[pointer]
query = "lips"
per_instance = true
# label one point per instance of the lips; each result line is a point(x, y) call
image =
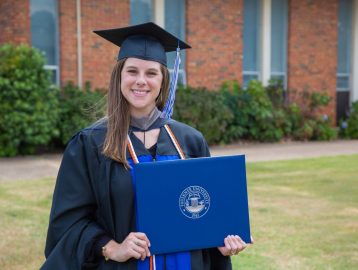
point(140, 93)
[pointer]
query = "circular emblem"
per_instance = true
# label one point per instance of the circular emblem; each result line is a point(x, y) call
point(194, 202)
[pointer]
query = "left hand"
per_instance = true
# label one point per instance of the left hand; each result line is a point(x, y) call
point(233, 245)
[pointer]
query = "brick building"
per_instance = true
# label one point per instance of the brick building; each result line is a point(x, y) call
point(308, 44)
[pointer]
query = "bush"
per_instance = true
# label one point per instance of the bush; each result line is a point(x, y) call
point(236, 99)
point(254, 117)
point(321, 124)
point(204, 110)
point(349, 127)
point(79, 108)
point(28, 105)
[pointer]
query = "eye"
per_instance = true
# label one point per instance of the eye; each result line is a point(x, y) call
point(152, 73)
point(132, 71)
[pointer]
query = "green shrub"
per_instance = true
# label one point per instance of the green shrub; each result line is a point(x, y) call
point(204, 110)
point(79, 108)
point(254, 116)
point(350, 127)
point(323, 130)
point(263, 126)
point(277, 93)
point(236, 99)
point(307, 122)
point(28, 105)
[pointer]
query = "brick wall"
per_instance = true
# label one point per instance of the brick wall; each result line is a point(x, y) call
point(68, 41)
point(214, 30)
point(98, 55)
point(15, 22)
point(312, 47)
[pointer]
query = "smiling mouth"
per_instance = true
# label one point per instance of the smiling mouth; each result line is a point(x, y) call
point(140, 92)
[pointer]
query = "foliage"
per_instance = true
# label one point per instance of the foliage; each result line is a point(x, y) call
point(304, 122)
point(204, 110)
point(349, 127)
point(79, 108)
point(313, 125)
point(254, 115)
point(28, 105)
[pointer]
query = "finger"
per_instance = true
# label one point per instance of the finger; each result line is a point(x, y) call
point(229, 245)
point(240, 242)
point(143, 236)
point(134, 254)
point(234, 243)
point(143, 244)
point(141, 251)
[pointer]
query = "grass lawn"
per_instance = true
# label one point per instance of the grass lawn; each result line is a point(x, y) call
point(304, 215)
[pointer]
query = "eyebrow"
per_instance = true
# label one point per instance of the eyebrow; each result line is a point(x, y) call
point(149, 69)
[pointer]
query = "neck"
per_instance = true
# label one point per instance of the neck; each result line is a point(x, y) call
point(144, 121)
point(142, 114)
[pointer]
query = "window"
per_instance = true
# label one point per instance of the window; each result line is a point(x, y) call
point(44, 33)
point(344, 44)
point(173, 14)
point(175, 24)
point(279, 17)
point(141, 11)
point(252, 41)
point(343, 85)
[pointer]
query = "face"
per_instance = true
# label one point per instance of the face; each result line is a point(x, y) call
point(140, 85)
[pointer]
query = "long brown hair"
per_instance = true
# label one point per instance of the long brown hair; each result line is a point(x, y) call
point(118, 114)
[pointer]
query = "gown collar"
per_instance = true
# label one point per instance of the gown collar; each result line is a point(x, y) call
point(148, 122)
point(145, 123)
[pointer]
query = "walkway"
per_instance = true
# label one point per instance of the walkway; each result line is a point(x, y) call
point(47, 165)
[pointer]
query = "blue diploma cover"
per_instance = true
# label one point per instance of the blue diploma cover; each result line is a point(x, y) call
point(192, 204)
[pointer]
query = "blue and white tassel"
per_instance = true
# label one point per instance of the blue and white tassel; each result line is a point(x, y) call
point(168, 108)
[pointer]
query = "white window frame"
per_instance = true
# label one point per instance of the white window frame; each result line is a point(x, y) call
point(264, 74)
point(159, 18)
point(354, 53)
point(266, 42)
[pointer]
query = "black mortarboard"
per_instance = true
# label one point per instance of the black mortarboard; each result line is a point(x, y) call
point(146, 41)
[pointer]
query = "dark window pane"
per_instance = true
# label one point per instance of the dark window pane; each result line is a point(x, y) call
point(141, 11)
point(252, 31)
point(44, 28)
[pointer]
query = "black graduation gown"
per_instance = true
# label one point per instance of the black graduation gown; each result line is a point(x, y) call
point(83, 206)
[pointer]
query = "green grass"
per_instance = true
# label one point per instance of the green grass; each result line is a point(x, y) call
point(304, 215)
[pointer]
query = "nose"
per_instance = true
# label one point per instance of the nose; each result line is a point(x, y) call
point(141, 80)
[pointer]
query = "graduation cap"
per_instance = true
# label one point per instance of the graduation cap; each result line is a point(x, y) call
point(148, 41)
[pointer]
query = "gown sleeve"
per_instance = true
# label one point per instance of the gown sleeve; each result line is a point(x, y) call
point(72, 226)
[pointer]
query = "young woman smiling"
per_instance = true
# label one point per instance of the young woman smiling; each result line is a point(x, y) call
point(92, 222)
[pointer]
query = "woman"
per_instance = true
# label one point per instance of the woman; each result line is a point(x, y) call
point(92, 221)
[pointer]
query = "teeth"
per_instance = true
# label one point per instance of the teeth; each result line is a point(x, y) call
point(140, 91)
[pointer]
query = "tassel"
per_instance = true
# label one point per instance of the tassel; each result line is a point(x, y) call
point(168, 108)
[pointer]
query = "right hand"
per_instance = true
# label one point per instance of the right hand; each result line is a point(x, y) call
point(135, 245)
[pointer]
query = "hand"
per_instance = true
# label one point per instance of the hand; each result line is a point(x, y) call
point(136, 245)
point(233, 245)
